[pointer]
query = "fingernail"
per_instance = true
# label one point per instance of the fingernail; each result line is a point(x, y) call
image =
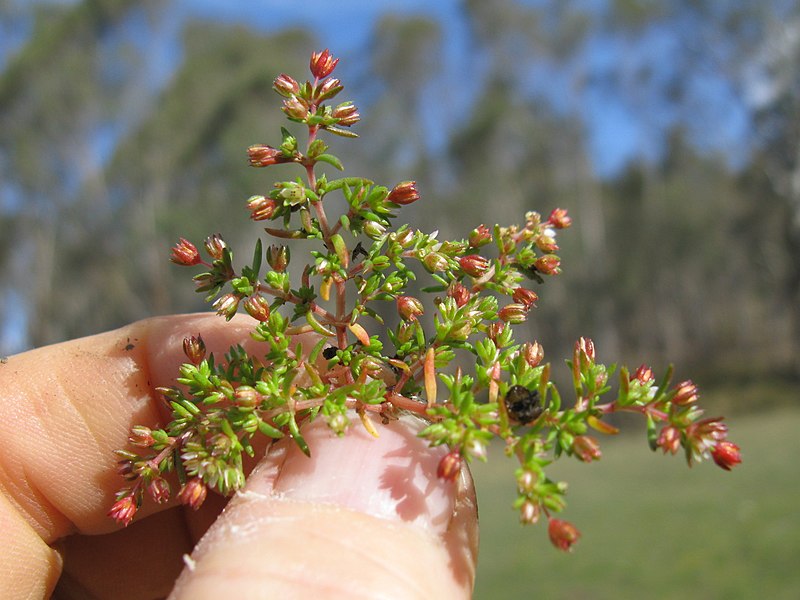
point(392, 476)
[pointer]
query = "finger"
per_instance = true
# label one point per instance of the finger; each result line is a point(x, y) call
point(361, 518)
point(65, 408)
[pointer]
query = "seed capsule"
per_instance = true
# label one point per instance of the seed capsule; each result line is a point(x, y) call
point(522, 404)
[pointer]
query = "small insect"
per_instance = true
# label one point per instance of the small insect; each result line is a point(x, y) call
point(329, 352)
point(130, 346)
point(359, 250)
point(522, 404)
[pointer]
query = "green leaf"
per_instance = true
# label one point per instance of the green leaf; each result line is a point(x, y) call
point(331, 160)
point(294, 430)
point(269, 430)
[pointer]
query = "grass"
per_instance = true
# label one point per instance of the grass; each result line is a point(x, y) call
point(652, 528)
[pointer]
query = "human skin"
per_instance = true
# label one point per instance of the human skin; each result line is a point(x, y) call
point(364, 517)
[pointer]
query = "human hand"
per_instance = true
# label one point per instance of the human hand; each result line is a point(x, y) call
point(363, 517)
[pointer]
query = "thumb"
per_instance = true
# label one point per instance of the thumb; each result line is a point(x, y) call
point(364, 517)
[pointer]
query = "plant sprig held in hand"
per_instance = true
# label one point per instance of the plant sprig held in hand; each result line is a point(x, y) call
point(478, 289)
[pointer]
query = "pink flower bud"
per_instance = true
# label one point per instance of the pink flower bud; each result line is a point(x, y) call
point(529, 513)
point(347, 113)
point(261, 155)
point(194, 348)
point(525, 297)
point(586, 448)
point(584, 350)
point(685, 393)
point(559, 218)
point(123, 510)
point(295, 109)
point(548, 264)
point(563, 534)
point(480, 236)
point(474, 264)
point(257, 307)
point(261, 208)
point(404, 193)
point(450, 466)
point(141, 436)
point(215, 246)
point(546, 243)
point(286, 85)
point(322, 64)
point(669, 440)
point(459, 293)
point(513, 313)
point(227, 305)
point(726, 455)
point(185, 253)
point(533, 353)
point(328, 89)
point(409, 308)
point(193, 493)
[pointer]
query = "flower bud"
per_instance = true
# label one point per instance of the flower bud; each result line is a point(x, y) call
point(726, 455)
point(563, 534)
point(159, 490)
point(257, 307)
point(404, 193)
point(409, 308)
point(584, 350)
point(246, 396)
point(450, 466)
point(328, 89)
point(435, 262)
point(559, 218)
point(480, 236)
point(685, 393)
point(195, 349)
point(141, 436)
point(278, 257)
point(338, 423)
point(546, 243)
point(227, 305)
point(261, 208)
point(548, 264)
point(513, 313)
point(185, 253)
point(286, 85)
point(526, 481)
point(193, 493)
point(525, 297)
point(322, 64)
point(295, 109)
point(374, 230)
point(586, 448)
point(347, 114)
point(261, 155)
point(459, 293)
point(529, 513)
point(215, 246)
point(643, 375)
point(495, 330)
point(533, 353)
point(474, 265)
point(476, 449)
point(123, 510)
point(669, 440)
point(404, 238)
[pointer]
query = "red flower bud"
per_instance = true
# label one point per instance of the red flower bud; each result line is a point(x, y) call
point(215, 246)
point(286, 85)
point(533, 353)
point(404, 193)
point(548, 264)
point(193, 493)
point(409, 308)
point(261, 155)
point(474, 264)
point(322, 64)
point(450, 466)
point(159, 490)
point(194, 348)
point(685, 393)
point(257, 307)
point(586, 448)
point(185, 253)
point(246, 396)
point(584, 350)
point(295, 109)
point(513, 313)
point(328, 89)
point(525, 297)
point(261, 208)
point(278, 258)
point(123, 510)
point(643, 375)
point(480, 236)
point(459, 293)
point(726, 455)
point(563, 534)
point(559, 218)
